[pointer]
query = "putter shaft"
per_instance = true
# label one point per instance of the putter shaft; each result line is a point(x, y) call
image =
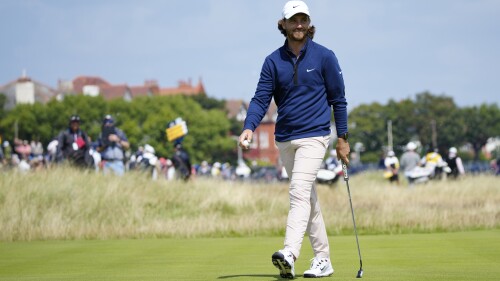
point(346, 179)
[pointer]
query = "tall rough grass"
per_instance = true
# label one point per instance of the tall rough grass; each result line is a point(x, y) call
point(64, 203)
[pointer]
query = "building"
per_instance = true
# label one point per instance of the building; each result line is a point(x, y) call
point(28, 91)
point(262, 147)
point(94, 86)
point(185, 88)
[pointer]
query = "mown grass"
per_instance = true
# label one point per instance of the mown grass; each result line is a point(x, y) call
point(457, 256)
point(70, 204)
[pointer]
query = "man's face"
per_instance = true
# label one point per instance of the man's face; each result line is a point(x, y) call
point(296, 27)
point(75, 125)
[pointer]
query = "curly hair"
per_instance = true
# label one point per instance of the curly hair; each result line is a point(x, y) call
point(310, 31)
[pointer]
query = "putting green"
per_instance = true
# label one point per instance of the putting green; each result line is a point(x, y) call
point(471, 255)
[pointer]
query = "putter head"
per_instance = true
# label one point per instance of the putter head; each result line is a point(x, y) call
point(360, 274)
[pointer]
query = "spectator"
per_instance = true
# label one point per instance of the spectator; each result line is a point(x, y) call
point(181, 162)
point(434, 162)
point(391, 164)
point(36, 148)
point(409, 160)
point(149, 161)
point(22, 164)
point(23, 149)
point(455, 163)
point(170, 169)
point(216, 170)
point(112, 143)
point(7, 152)
point(204, 169)
point(73, 144)
point(227, 171)
point(331, 162)
point(52, 150)
point(136, 158)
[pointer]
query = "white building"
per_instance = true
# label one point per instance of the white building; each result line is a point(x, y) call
point(27, 91)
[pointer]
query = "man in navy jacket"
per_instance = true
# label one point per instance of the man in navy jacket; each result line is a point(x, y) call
point(73, 144)
point(306, 82)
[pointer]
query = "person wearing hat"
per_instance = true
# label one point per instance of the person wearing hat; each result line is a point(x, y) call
point(455, 163)
point(409, 160)
point(306, 82)
point(112, 144)
point(73, 144)
point(391, 164)
point(182, 163)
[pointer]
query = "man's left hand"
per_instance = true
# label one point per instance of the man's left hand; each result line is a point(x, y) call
point(343, 150)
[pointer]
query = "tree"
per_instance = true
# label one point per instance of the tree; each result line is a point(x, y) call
point(144, 120)
point(441, 112)
point(3, 100)
point(411, 120)
point(404, 129)
point(208, 102)
point(367, 125)
point(480, 123)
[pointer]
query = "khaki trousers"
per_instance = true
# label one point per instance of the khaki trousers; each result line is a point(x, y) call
point(302, 159)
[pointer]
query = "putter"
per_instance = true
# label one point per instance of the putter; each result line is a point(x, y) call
point(346, 179)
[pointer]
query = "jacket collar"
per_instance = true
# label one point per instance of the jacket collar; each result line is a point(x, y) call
point(302, 51)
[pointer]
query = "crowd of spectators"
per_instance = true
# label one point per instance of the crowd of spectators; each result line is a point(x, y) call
point(110, 153)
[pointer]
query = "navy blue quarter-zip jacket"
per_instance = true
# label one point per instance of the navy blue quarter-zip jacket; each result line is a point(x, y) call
point(305, 89)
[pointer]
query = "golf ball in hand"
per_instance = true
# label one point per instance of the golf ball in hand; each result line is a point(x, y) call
point(246, 143)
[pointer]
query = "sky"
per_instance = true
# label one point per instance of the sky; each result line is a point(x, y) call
point(387, 49)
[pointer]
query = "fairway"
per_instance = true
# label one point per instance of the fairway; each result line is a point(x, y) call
point(472, 255)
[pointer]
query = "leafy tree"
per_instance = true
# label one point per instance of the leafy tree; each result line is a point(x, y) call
point(442, 111)
point(208, 102)
point(480, 123)
point(411, 120)
point(145, 120)
point(367, 125)
point(3, 101)
point(404, 129)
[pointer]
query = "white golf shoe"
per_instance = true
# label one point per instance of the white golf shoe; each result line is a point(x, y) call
point(283, 260)
point(320, 267)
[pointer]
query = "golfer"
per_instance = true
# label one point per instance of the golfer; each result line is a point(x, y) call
point(306, 82)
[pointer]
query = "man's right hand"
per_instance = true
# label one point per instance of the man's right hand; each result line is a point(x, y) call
point(246, 135)
point(113, 138)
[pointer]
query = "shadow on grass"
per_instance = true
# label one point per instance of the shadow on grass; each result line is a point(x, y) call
point(276, 276)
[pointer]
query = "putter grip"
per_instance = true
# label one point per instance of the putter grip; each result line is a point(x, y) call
point(344, 171)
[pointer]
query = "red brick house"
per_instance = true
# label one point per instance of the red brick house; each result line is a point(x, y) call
point(262, 147)
point(149, 89)
point(94, 86)
point(185, 88)
point(116, 92)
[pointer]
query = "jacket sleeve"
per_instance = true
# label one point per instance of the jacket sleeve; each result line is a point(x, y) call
point(262, 98)
point(335, 89)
